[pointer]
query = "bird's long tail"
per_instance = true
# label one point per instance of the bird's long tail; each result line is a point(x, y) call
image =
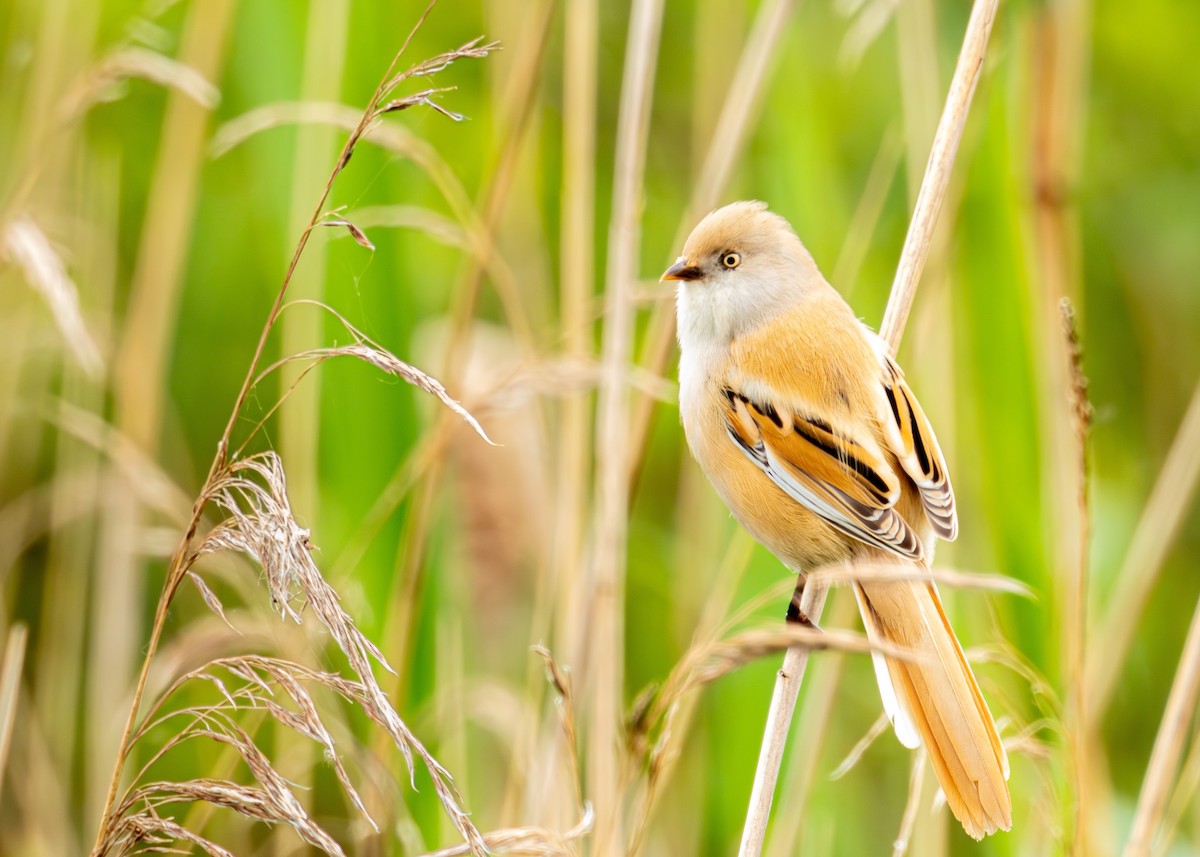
point(934, 699)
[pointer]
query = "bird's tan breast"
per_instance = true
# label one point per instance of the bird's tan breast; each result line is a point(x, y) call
point(822, 365)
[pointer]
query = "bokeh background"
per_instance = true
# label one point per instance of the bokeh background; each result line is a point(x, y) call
point(128, 166)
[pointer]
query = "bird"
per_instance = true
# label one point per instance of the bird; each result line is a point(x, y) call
point(807, 429)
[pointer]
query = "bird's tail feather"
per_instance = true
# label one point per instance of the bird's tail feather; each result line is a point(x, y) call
point(935, 695)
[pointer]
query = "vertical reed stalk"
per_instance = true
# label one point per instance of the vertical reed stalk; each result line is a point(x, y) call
point(10, 688)
point(139, 387)
point(908, 273)
point(558, 609)
point(300, 421)
point(1168, 744)
point(606, 650)
point(916, 786)
point(1057, 100)
point(816, 715)
point(779, 720)
point(1164, 513)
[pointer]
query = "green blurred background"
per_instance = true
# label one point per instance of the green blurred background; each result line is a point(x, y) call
point(1078, 175)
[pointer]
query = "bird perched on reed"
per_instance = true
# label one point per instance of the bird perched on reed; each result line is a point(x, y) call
point(807, 429)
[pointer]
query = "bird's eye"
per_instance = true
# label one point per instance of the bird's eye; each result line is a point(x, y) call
point(731, 260)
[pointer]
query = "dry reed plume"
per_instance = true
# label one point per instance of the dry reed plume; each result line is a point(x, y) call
point(250, 494)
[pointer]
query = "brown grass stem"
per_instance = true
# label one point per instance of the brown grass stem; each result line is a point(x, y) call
point(912, 261)
point(1181, 799)
point(577, 275)
point(1168, 744)
point(605, 651)
point(299, 424)
point(741, 106)
point(1077, 630)
point(518, 111)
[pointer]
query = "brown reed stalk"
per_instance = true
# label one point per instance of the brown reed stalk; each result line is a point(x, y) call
point(1181, 799)
point(908, 273)
point(1057, 100)
point(321, 80)
point(816, 715)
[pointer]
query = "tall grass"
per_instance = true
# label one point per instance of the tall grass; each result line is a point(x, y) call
point(167, 158)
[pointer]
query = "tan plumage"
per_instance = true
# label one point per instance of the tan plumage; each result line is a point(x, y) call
point(808, 431)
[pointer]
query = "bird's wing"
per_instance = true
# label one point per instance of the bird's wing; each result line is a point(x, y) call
point(843, 477)
point(910, 438)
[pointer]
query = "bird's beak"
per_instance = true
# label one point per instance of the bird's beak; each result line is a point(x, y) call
point(683, 269)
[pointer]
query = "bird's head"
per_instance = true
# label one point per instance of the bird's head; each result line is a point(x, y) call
point(741, 266)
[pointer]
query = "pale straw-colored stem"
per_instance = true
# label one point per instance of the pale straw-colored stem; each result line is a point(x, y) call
point(605, 655)
point(1164, 758)
point(1165, 511)
point(938, 170)
point(779, 720)
point(10, 688)
point(908, 274)
point(916, 785)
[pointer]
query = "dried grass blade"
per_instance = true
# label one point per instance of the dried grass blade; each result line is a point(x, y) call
point(148, 65)
point(356, 233)
point(10, 683)
point(737, 651)
point(537, 841)
point(916, 785)
point(1168, 744)
point(832, 575)
point(210, 597)
point(1165, 511)
point(937, 172)
point(28, 247)
point(261, 524)
point(860, 747)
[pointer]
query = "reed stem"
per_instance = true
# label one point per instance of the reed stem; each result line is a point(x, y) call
point(912, 261)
